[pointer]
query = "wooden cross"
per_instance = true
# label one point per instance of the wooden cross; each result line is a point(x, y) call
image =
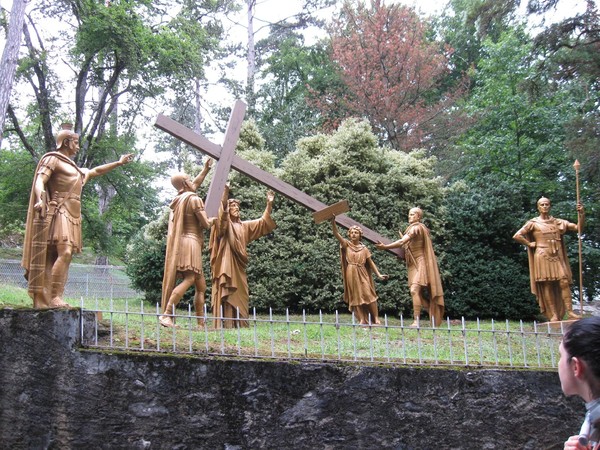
point(227, 159)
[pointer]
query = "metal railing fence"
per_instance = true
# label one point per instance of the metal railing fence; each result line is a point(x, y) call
point(84, 280)
point(335, 337)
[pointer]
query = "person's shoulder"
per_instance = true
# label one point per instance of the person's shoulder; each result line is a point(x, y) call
point(418, 227)
point(50, 158)
point(194, 199)
point(563, 222)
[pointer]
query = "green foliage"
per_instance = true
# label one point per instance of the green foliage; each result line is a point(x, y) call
point(145, 259)
point(295, 73)
point(485, 272)
point(457, 28)
point(297, 266)
point(519, 140)
point(567, 51)
point(118, 204)
point(520, 123)
point(115, 57)
point(14, 191)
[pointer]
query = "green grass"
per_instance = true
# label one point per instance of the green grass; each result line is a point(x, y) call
point(133, 325)
point(14, 296)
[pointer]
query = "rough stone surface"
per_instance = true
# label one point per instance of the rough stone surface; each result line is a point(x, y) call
point(54, 394)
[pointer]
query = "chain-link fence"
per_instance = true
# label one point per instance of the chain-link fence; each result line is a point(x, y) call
point(87, 281)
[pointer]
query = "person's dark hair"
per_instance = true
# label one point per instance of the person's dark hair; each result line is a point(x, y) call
point(582, 340)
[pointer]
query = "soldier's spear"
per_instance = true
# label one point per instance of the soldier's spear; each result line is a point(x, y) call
point(576, 165)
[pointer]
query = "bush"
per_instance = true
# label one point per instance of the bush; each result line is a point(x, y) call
point(145, 259)
point(486, 272)
point(298, 265)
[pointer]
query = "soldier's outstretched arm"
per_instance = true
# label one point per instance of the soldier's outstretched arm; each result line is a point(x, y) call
point(105, 168)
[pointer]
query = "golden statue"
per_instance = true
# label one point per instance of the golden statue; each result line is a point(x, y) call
point(53, 228)
point(423, 271)
point(185, 242)
point(549, 270)
point(229, 239)
point(357, 273)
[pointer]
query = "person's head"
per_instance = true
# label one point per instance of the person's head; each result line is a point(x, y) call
point(415, 215)
point(181, 182)
point(67, 140)
point(579, 364)
point(355, 233)
point(544, 205)
point(234, 208)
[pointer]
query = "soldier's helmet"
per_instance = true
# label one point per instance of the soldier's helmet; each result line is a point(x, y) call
point(66, 132)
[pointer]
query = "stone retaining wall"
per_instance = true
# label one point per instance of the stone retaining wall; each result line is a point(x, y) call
point(54, 394)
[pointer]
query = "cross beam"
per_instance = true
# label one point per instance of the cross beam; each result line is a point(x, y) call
point(227, 159)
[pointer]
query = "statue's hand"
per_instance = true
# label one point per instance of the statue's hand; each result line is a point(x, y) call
point(385, 277)
point(126, 158)
point(531, 245)
point(380, 245)
point(270, 196)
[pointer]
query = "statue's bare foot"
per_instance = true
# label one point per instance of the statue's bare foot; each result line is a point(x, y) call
point(58, 302)
point(415, 324)
point(166, 321)
point(42, 305)
point(574, 316)
point(554, 319)
point(41, 301)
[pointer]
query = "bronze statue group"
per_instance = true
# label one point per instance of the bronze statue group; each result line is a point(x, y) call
point(53, 235)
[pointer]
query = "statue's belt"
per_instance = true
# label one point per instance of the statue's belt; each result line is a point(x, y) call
point(65, 196)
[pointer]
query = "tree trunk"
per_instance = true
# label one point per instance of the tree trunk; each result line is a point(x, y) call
point(105, 195)
point(251, 58)
point(10, 55)
point(198, 115)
